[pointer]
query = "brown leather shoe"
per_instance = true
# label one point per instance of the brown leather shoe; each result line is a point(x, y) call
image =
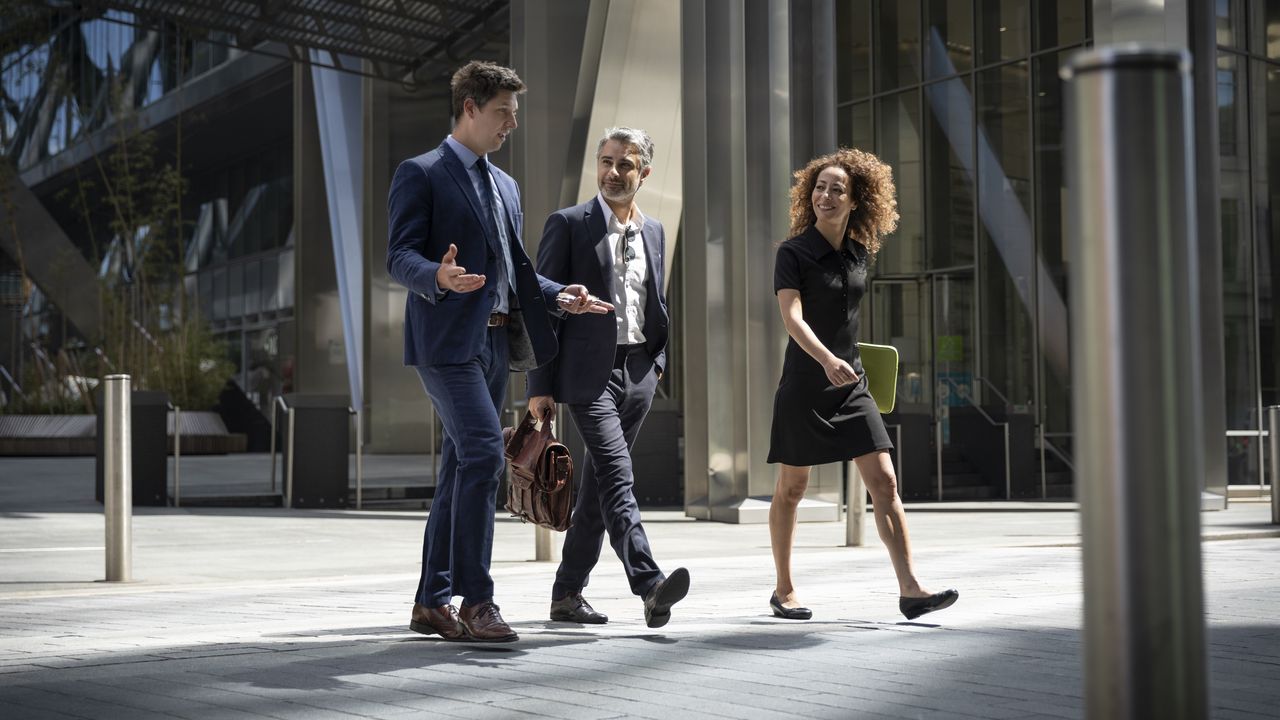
point(442, 621)
point(485, 624)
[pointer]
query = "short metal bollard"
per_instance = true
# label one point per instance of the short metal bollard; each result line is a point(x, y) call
point(118, 474)
point(1273, 448)
point(855, 498)
point(545, 545)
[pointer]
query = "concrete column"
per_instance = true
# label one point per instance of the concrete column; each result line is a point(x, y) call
point(738, 121)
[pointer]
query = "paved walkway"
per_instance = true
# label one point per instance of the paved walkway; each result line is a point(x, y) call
point(267, 613)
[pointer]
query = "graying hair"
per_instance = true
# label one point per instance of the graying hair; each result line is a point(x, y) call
point(634, 137)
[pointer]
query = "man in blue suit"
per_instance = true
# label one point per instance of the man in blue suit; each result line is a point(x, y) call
point(450, 213)
point(607, 371)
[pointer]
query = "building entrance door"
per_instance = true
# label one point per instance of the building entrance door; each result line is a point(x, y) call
point(930, 318)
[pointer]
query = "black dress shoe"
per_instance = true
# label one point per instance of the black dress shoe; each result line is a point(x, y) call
point(915, 607)
point(657, 604)
point(796, 613)
point(575, 608)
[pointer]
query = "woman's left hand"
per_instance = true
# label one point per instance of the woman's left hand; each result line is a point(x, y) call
point(839, 372)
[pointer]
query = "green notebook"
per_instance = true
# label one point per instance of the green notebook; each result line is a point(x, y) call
point(880, 363)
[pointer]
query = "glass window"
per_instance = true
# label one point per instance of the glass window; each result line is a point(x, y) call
point(1232, 130)
point(854, 126)
point(1230, 22)
point(1003, 30)
point(1268, 195)
point(1058, 23)
point(1007, 247)
point(853, 49)
point(897, 32)
point(1237, 265)
point(898, 144)
point(1264, 29)
point(948, 40)
point(1050, 218)
point(948, 172)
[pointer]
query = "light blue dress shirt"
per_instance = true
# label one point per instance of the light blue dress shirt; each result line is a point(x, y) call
point(484, 185)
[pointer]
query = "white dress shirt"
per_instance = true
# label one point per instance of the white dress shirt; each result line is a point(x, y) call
point(630, 267)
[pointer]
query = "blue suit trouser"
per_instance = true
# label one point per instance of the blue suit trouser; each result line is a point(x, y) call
point(458, 543)
point(606, 497)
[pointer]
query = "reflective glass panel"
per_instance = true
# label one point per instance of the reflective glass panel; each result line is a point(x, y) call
point(948, 39)
point(1058, 23)
point(1006, 258)
point(1267, 102)
point(897, 34)
point(1050, 218)
point(898, 144)
point(854, 128)
point(1264, 29)
point(1230, 22)
point(949, 172)
point(853, 49)
point(1237, 268)
point(1003, 30)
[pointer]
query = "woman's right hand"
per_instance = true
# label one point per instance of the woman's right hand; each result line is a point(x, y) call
point(839, 372)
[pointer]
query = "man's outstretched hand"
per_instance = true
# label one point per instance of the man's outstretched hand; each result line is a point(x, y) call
point(575, 300)
point(453, 277)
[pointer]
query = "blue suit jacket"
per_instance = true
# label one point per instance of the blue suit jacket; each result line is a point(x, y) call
point(432, 203)
point(574, 249)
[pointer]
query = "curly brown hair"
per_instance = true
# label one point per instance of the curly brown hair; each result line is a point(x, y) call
point(871, 185)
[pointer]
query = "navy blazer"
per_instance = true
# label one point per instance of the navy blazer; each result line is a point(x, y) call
point(574, 249)
point(432, 203)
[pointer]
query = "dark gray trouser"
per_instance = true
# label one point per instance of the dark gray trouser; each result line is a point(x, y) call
point(606, 500)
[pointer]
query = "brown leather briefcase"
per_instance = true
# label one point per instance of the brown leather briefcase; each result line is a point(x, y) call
point(541, 489)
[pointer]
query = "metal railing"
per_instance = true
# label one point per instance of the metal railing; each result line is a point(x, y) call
point(279, 405)
point(964, 394)
point(1047, 444)
point(177, 454)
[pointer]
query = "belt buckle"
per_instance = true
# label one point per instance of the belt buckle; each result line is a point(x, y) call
point(497, 319)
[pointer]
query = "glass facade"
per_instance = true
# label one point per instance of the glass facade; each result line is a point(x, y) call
point(1248, 101)
point(67, 85)
point(963, 101)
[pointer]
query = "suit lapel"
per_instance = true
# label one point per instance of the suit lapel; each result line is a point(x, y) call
point(460, 175)
point(599, 231)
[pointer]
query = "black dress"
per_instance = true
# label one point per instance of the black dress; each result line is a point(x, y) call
point(813, 421)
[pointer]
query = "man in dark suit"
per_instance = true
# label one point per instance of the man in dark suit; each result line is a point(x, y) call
point(607, 370)
point(450, 210)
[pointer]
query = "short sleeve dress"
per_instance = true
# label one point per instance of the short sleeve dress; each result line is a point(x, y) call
point(814, 422)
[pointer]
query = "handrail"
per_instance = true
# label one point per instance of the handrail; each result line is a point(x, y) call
point(177, 454)
point(992, 387)
point(1008, 477)
point(359, 458)
point(4, 372)
point(1061, 455)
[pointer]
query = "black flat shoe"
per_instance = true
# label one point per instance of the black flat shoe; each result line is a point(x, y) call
point(799, 613)
point(915, 607)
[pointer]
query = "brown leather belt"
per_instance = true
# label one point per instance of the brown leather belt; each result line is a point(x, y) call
point(499, 319)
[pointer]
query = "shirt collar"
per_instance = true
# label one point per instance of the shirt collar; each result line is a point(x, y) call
point(611, 221)
point(819, 246)
point(463, 152)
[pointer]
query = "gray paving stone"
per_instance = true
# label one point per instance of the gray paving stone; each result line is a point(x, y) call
point(281, 614)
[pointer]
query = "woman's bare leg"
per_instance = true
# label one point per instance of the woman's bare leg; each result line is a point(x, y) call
point(877, 473)
point(790, 488)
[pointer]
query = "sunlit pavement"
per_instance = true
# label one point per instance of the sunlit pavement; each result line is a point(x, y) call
point(239, 613)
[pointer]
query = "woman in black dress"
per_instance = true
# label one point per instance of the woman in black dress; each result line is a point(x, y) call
point(841, 206)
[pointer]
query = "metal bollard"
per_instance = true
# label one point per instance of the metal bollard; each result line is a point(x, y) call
point(1137, 389)
point(855, 498)
point(1273, 448)
point(117, 490)
point(177, 456)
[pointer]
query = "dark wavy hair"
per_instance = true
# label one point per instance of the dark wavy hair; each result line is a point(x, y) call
point(480, 81)
point(871, 186)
